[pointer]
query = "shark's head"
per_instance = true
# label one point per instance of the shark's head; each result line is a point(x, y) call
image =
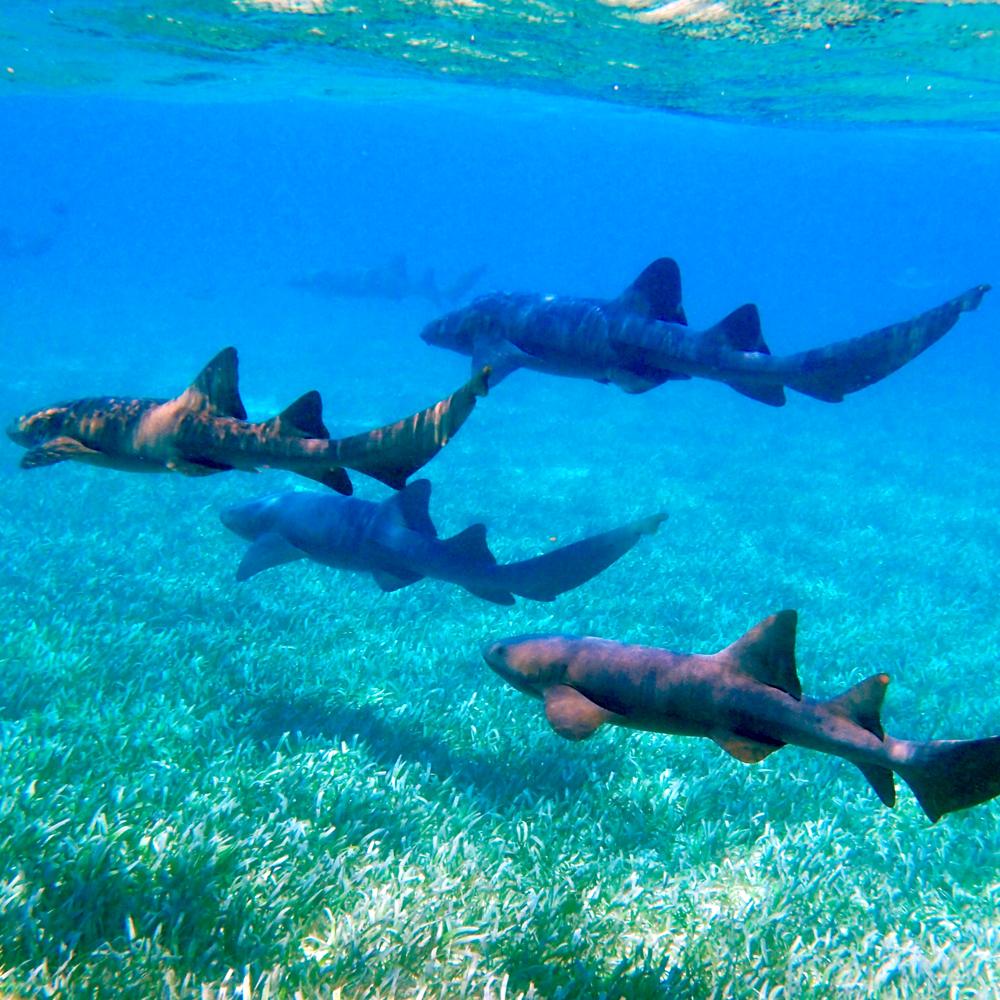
point(531, 663)
point(459, 330)
point(252, 519)
point(36, 428)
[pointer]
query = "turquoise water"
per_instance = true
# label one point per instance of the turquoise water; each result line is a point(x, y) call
point(300, 785)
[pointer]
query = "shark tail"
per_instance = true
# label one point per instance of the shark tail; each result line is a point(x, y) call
point(832, 372)
point(948, 775)
point(945, 775)
point(391, 454)
point(545, 577)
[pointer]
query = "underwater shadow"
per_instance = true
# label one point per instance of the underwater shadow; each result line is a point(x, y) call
point(642, 975)
point(273, 719)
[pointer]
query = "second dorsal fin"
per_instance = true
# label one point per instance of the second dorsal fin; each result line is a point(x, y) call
point(740, 331)
point(767, 653)
point(471, 543)
point(863, 704)
point(302, 418)
point(217, 386)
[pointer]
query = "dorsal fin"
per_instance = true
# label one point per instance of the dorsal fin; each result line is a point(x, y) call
point(410, 507)
point(767, 653)
point(863, 704)
point(740, 331)
point(471, 543)
point(656, 293)
point(217, 386)
point(303, 417)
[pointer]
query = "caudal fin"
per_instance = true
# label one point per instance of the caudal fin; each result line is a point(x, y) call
point(393, 453)
point(947, 775)
point(830, 373)
point(545, 577)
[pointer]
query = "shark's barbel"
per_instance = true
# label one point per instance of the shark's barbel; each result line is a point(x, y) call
point(748, 699)
point(204, 430)
point(397, 543)
point(641, 339)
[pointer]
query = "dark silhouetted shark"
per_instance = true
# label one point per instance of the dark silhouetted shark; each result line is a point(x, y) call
point(748, 699)
point(397, 543)
point(641, 340)
point(390, 281)
point(204, 430)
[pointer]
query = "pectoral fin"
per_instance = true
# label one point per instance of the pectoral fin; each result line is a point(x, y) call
point(197, 466)
point(389, 582)
point(500, 355)
point(60, 449)
point(571, 714)
point(267, 550)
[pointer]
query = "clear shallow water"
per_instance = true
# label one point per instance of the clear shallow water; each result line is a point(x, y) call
point(865, 62)
point(304, 784)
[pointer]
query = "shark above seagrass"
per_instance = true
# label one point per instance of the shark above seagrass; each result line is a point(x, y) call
point(640, 340)
point(397, 543)
point(747, 698)
point(204, 430)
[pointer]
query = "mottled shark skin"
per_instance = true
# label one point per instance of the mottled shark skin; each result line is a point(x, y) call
point(748, 699)
point(397, 543)
point(641, 340)
point(204, 430)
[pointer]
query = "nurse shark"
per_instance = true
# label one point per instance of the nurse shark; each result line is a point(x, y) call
point(204, 430)
point(397, 543)
point(641, 340)
point(748, 699)
point(391, 281)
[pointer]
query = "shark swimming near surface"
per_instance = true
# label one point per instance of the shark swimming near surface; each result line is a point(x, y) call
point(397, 543)
point(641, 340)
point(204, 430)
point(748, 699)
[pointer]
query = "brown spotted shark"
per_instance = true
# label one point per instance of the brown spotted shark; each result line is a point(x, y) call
point(204, 430)
point(641, 340)
point(748, 699)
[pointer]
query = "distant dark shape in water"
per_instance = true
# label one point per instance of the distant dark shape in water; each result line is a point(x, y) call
point(204, 430)
point(641, 340)
point(187, 79)
point(390, 281)
point(747, 698)
point(16, 244)
point(397, 543)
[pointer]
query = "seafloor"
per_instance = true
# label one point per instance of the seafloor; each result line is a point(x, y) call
point(300, 786)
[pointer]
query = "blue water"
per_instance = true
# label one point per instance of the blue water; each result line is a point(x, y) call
point(176, 228)
point(181, 224)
